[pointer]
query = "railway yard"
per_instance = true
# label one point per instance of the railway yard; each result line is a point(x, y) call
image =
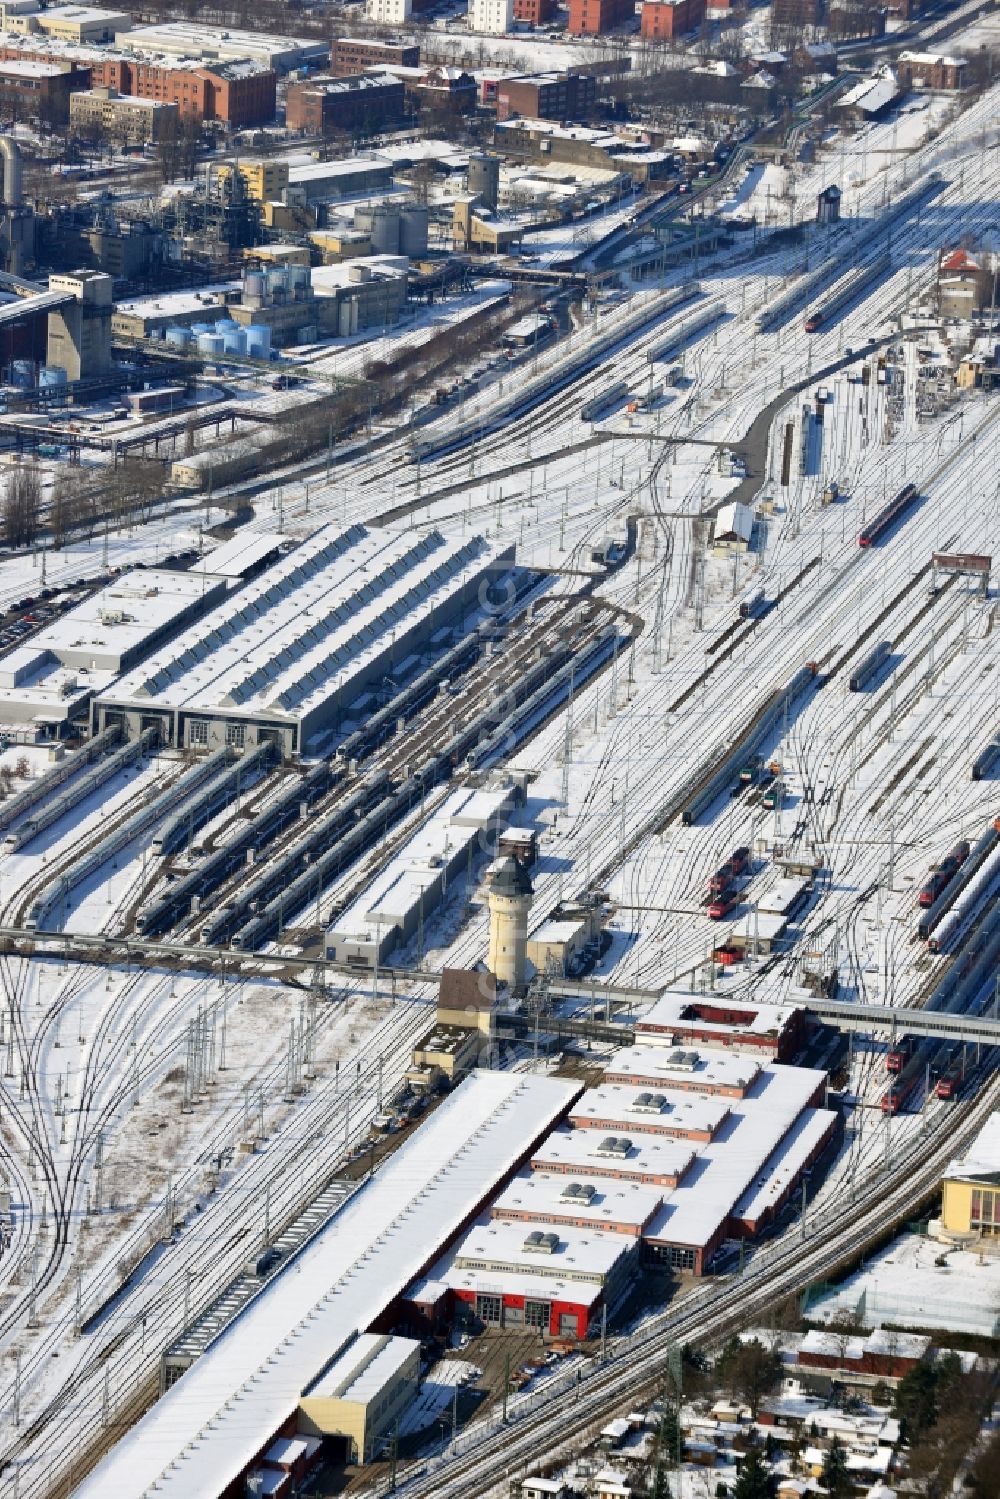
point(696, 601)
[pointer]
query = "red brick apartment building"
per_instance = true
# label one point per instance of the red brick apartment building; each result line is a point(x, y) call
point(536, 12)
point(594, 17)
point(662, 20)
point(235, 93)
point(350, 55)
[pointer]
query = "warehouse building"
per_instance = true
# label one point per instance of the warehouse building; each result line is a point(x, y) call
point(227, 44)
point(407, 891)
point(771, 1127)
point(547, 96)
point(257, 1380)
point(83, 24)
point(743, 1177)
point(326, 181)
point(285, 657)
point(350, 55)
point(50, 680)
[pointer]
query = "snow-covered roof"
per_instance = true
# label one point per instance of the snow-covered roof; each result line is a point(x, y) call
point(932, 59)
point(981, 1162)
point(544, 1252)
point(705, 1071)
point(872, 94)
point(396, 889)
point(646, 1158)
point(307, 625)
point(363, 1369)
point(110, 626)
point(679, 1012)
point(959, 260)
point(248, 1383)
point(622, 1206)
point(748, 1162)
point(234, 558)
point(734, 520)
point(645, 1110)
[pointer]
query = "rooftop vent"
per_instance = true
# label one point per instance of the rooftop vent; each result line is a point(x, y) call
point(578, 1192)
point(649, 1103)
point(683, 1061)
point(615, 1145)
point(541, 1243)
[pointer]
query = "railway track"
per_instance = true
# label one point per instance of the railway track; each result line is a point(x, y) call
point(484, 1459)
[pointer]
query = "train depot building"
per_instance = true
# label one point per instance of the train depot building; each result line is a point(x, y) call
point(296, 1362)
point(48, 683)
point(285, 657)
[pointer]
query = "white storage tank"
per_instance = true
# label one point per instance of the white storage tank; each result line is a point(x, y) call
point(211, 343)
point(258, 341)
point(234, 340)
point(178, 337)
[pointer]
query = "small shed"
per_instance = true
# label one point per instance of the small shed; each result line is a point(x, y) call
point(733, 529)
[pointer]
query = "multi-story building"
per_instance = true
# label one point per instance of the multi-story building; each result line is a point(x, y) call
point(535, 12)
point(447, 91)
point(389, 12)
point(39, 90)
point(351, 55)
point(547, 96)
point(970, 1204)
point(264, 180)
point(366, 101)
point(931, 70)
point(594, 17)
point(662, 20)
point(120, 117)
point(235, 93)
point(494, 17)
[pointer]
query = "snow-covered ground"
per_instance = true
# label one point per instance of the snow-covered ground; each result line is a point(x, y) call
point(922, 1283)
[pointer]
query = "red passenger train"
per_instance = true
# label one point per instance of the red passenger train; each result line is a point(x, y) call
point(886, 516)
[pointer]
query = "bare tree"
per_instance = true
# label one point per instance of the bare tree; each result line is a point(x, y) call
point(21, 507)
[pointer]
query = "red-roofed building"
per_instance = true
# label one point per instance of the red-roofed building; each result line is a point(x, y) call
point(959, 281)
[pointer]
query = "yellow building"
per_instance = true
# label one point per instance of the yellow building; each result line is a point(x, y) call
point(341, 244)
point(362, 1394)
point(263, 180)
point(278, 254)
point(447, 1051)
point(971, 1192)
